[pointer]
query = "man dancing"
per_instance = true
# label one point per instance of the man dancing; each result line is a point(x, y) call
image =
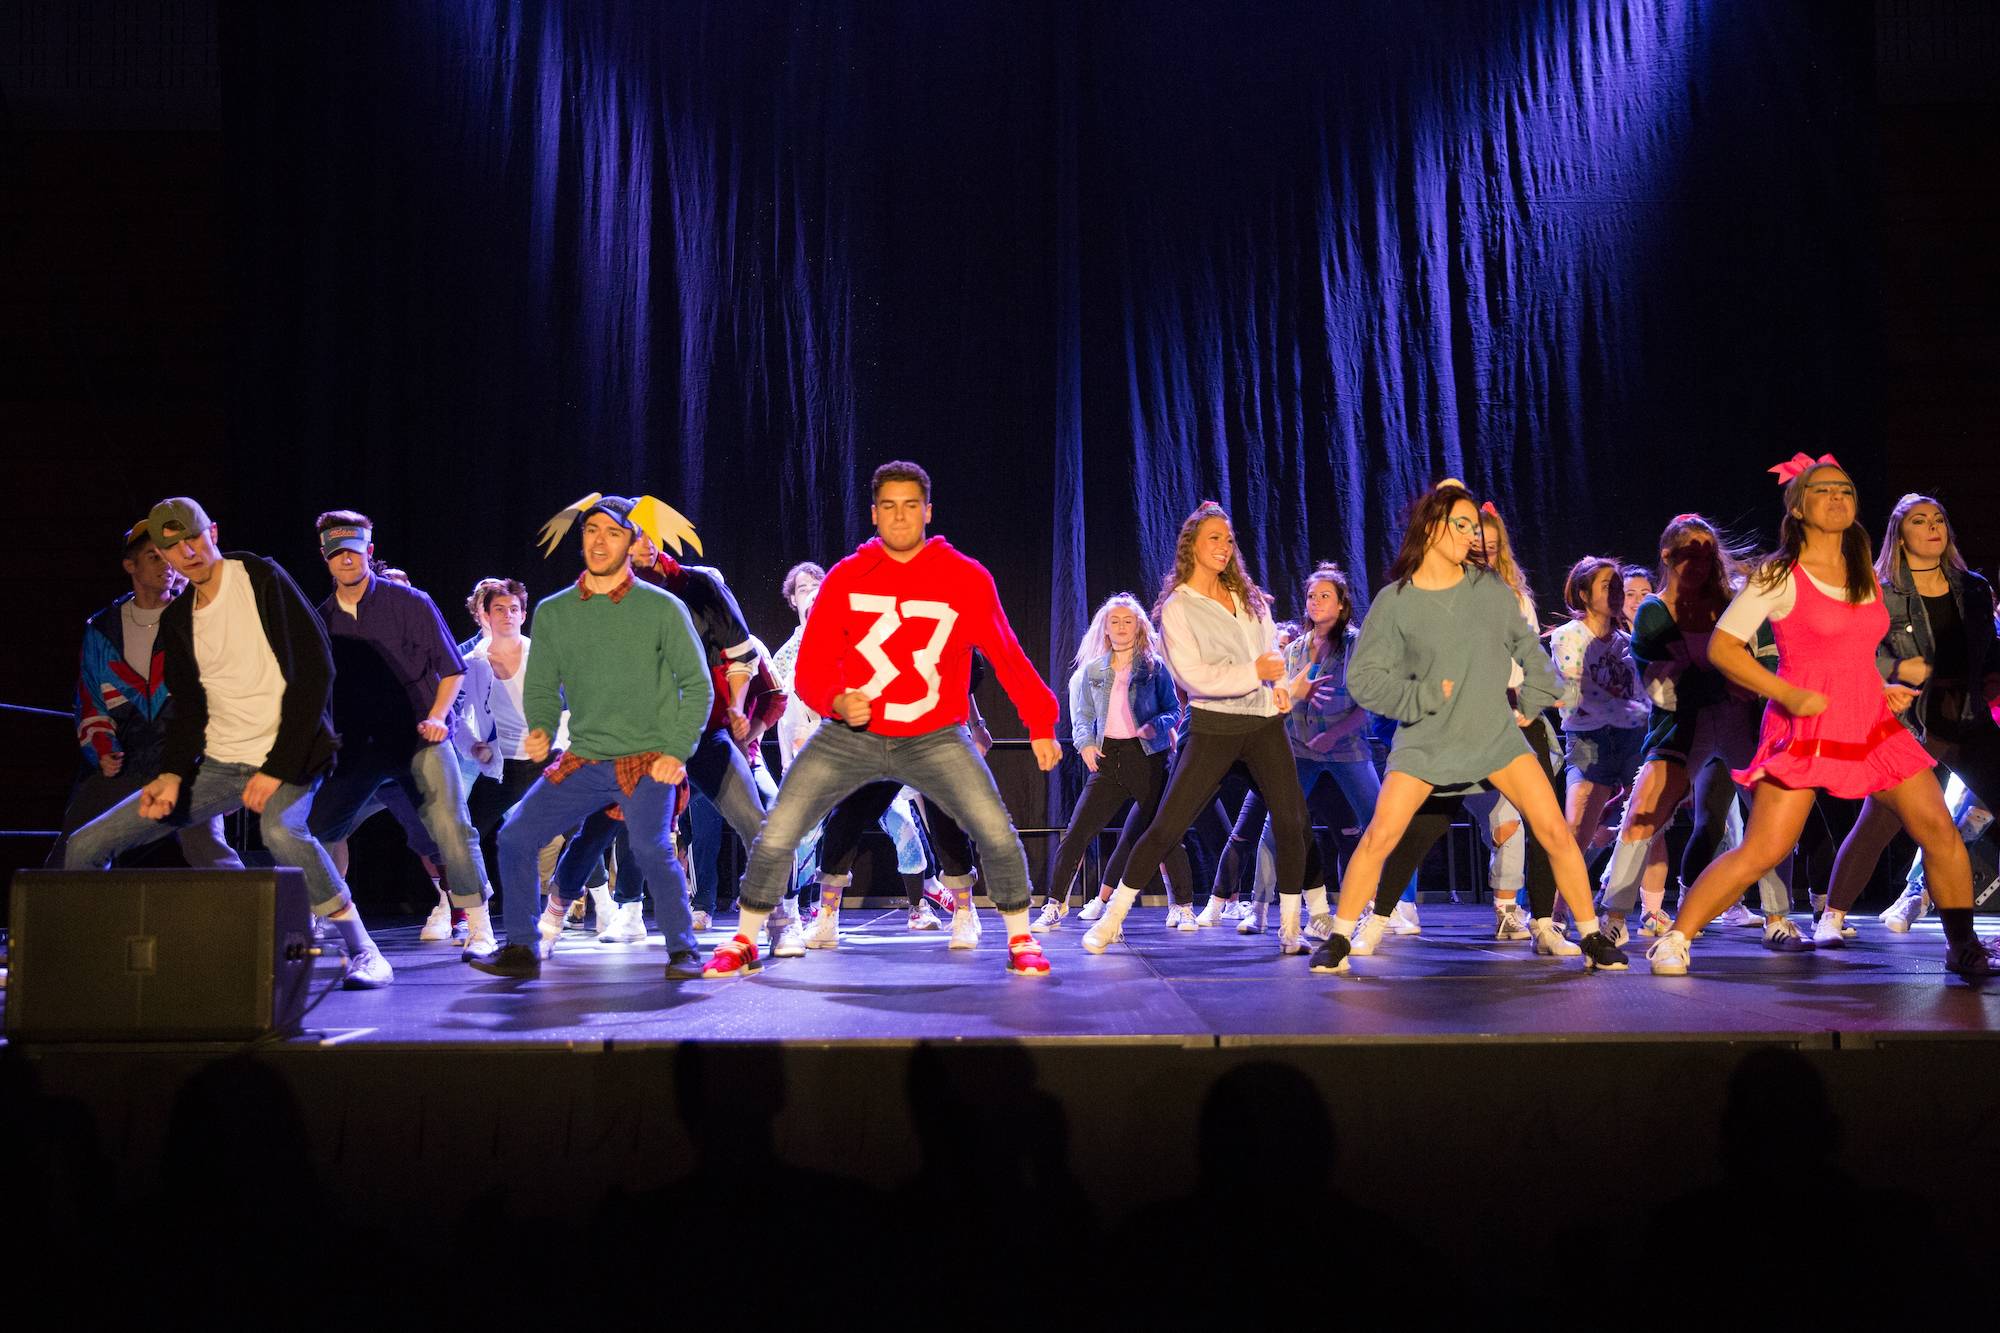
point(886, 658)
point(251, 675)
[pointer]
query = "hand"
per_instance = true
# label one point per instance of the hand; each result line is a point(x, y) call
point(433, 730)
point(258, 790)
point(536, 743)
point(1325, 690)
point(668, 770)
point(1089, 755)
point(1447, 689)
point(1520, 721)
point(1299, 687)
point(982, 739)
point(1898, 697)
point(1805, 703)
point(158, 797)
point(1283, 699)
point(1047, 753)
point(1912, 671)
point(1147, 732)
point(482, 752)
point(110, 764)
point(739, 725)
point(854, 708)
point(1270, 667)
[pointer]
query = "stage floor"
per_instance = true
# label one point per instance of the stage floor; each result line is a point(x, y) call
point(1214, 987)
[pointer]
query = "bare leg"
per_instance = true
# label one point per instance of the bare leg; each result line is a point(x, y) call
point(1860, 852)
point(1777, 817)
point(1526, 785)
point(1394, 808)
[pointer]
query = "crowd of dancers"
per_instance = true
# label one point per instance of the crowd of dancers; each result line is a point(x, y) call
point(538, 763)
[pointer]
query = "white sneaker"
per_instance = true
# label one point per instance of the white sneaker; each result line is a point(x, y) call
point(1103, 933)
point(825, 932)
point(1669, 955)
point(1550, 940)
point(1239, 907)
point(1403, 921)
point(1091, 910)
point(1831, 930)
point(1509, 921)
point(1215, 911)
point(1053, 912)
point(604, 905)
point(1617, 931)
point(924, 917)
point(1291, 938)
point(1182, 918)
point(437, 926)
point(1656, 923)
point(1906, 911)
point(551, 924)
point(1739, 915)
point(965, 929)
point(1782, 936)
point(367, 970)
point(1368, 934)
point(703, 921)
point(1252, 921)
point(627, 925)
point(788, 937)
point(479, 938)
point(1319, 928)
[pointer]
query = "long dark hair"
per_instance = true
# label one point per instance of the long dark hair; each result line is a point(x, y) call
point(1233, 577)
point(1431, 509)
point(1576, 588)
point(1336, 633)
point(1730, 558)
point(1857, 553)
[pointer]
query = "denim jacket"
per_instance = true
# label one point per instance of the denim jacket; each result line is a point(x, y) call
point(1151, 695)
point(1910, 636)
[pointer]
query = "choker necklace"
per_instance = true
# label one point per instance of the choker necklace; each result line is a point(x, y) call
point(1928, 569)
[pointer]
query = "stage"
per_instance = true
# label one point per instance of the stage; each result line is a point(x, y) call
point(1182, 1090)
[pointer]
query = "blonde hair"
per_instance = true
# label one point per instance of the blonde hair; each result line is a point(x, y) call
point(1892, 560)
point(1096, 643)
point(1233, 576)
point(1500, 559)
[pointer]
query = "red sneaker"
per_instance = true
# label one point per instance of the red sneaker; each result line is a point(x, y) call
point(1025, 957)
point(735, 958)
point(944, 898)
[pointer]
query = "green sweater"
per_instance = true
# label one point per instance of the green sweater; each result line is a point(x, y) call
point(632, 673)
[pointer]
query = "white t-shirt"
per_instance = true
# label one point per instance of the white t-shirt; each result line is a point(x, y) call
point(142, 630)
point(239, 672)
point(1757, 604)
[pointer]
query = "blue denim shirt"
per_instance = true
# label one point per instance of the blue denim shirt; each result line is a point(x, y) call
point(1910, 636)
point(1151, 696)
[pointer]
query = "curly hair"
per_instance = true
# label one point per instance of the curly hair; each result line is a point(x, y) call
point(1233, 577)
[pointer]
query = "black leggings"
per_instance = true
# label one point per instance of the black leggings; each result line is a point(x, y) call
point(1218, 741)
point(840, 838)
point(1125, 773)
point(1714, 789)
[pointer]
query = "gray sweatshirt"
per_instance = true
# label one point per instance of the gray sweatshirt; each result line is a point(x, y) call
point(1472, 635)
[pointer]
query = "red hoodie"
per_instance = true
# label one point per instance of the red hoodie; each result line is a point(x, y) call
point(902, 633)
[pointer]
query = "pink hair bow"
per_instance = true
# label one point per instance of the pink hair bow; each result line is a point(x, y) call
point(1799, 464)
point(1678, 519)
point(1486, 507)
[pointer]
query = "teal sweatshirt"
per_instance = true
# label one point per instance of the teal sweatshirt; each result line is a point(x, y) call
point(632, 673)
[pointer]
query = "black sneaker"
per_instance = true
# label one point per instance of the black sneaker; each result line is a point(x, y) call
point(1600, 952)
point(1331, 956)
point(509, 960)
point(1971, 957)
point(684, 965)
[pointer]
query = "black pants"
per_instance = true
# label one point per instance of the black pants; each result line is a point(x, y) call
point(840, 837)
point(1217, 742)
point(490, 800)
point(1125, 774)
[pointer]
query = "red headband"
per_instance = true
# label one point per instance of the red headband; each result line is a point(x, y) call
point(1800, 464)
point(1679, 519)
point(1486, 507)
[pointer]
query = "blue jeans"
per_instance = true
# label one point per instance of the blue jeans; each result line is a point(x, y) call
point(434, 782)
point(217, 789)
point(837, 760)
point(550, 808)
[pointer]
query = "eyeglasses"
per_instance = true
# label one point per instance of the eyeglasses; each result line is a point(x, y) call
point(1467, 526)
point(1831, 488)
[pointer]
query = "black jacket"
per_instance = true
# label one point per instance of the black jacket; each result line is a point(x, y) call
point(1910, 636)
point(306, 740)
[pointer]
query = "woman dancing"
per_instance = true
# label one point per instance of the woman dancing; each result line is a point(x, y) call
point(1940, 643)
point(1829, 724)
point(1436, 653)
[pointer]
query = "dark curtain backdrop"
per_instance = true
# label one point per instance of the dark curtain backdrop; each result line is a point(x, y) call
point(1089, 263)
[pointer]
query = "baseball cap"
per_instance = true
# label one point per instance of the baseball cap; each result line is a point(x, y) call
point(176, 520)
point(617, 506)
point(344, 537)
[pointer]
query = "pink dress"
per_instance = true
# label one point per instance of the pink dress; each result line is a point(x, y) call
point(1856, 746)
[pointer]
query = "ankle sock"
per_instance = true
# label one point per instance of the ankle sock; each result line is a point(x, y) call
point(1316, 901)
point(1344, 925)
point(1586, 928)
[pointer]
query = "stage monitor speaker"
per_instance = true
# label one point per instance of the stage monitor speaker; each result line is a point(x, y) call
point(141, 955)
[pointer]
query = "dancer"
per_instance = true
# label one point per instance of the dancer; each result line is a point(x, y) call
point(396, 676)
point(1603, 702)
point(886, 658)
point(1216, 625)
point(1434, 654)
point(1122, 709)
point(251, 674)
point(1638, 581)
point(1940, 643)
point(624, 657)
point(1829, 724)
point(123, 704)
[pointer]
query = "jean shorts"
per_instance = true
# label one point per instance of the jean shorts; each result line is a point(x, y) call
point(1608, 756)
